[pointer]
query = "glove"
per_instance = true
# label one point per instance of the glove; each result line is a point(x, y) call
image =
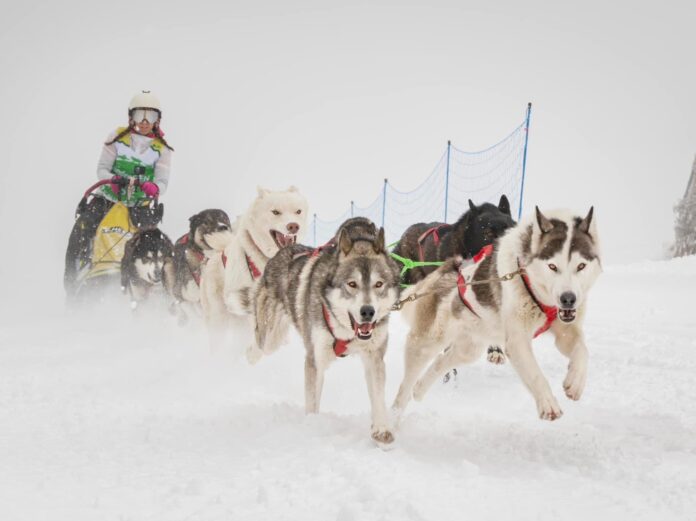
point(117, 182)
point(150, 189)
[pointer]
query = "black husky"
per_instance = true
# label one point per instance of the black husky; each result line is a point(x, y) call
point(476, 228)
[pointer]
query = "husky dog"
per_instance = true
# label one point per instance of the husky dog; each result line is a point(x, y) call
point(147, 260)
point(552, 262)
point(210, 232)
point(339, 300)
point(479, 226)
point(275, 219)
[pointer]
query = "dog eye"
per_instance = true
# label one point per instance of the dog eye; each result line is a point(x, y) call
point(379, 284)
point(581, 266)
point(353, 284)
point(298, 212)
point(553, 267)
point(275, 212)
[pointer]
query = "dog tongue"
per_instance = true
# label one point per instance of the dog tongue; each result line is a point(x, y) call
point(365, 327)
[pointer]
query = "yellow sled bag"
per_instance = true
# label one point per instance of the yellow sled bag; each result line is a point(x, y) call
point(110, 241)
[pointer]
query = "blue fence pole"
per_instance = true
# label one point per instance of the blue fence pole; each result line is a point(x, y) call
point(384, 200)
point(351, 209)
point(524, 157)
point(315, 229)
point(447, 169)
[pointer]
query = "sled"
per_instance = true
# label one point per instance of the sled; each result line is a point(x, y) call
point(113, 232)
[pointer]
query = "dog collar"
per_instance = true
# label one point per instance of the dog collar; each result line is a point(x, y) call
point(461, 283)
point(551, 312)
point(340, 346)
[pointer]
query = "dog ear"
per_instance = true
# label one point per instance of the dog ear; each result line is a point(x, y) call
point(472, 206)
point(345, 244)
point(544, 224)
point(293, 188)
point(584, 225)
point(379, 242)
point(504, 205)
point(261, 192)
point(194, 222)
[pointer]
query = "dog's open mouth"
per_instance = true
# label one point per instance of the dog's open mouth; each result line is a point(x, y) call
point(283, 240)
point(363, 330)
point(566, 315)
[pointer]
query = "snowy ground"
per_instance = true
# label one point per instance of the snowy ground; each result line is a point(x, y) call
point(108, 421)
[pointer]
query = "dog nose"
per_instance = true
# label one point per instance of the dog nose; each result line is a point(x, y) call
point(568, 299)
point(367, 313)
point(293, 227)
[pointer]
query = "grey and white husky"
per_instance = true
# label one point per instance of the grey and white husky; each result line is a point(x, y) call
point(553, 261)
point(339, 300)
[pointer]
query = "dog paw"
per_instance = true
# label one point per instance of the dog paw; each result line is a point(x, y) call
point(548, 408)
point(451, 375)
point(496, 355)
point(574, 383)
point(382, 437)
point(253, 354)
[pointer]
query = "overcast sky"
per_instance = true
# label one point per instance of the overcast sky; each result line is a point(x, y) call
point(333, 97)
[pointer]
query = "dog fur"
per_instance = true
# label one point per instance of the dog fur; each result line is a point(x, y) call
point(355, 283)
point(561, 256)
point(147, 261)
point(477, 227)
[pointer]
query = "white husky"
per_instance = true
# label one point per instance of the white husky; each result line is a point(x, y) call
point(552, 261)
point(275, 219)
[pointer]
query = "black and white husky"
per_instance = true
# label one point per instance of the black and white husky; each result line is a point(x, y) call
point(553, 261)
point(339, 300)
point(147, 261)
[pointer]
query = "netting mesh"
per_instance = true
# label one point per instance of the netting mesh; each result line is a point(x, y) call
point(443, 196)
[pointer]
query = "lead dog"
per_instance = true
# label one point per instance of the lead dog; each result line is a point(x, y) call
point(339, 301)
point(451, 324)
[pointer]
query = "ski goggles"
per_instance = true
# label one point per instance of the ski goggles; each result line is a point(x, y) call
point(151, 115)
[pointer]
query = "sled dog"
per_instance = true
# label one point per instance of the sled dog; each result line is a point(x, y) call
point(210, 232)
point(147, 261)
point(552, 262)
point(436, 241)
point(339, 301)
point(275, 219)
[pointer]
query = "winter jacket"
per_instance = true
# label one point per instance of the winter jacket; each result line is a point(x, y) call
point(122, 157)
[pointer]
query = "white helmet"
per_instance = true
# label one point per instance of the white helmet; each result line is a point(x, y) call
point(144, 100)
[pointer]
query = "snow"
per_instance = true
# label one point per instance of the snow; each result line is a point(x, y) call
point(139, 420)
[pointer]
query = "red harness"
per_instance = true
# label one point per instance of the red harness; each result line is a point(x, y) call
point(340, 346)
point(461, 283)
point(196, 274)
point(551, 312)
point(254, 271)
point(436, 238)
